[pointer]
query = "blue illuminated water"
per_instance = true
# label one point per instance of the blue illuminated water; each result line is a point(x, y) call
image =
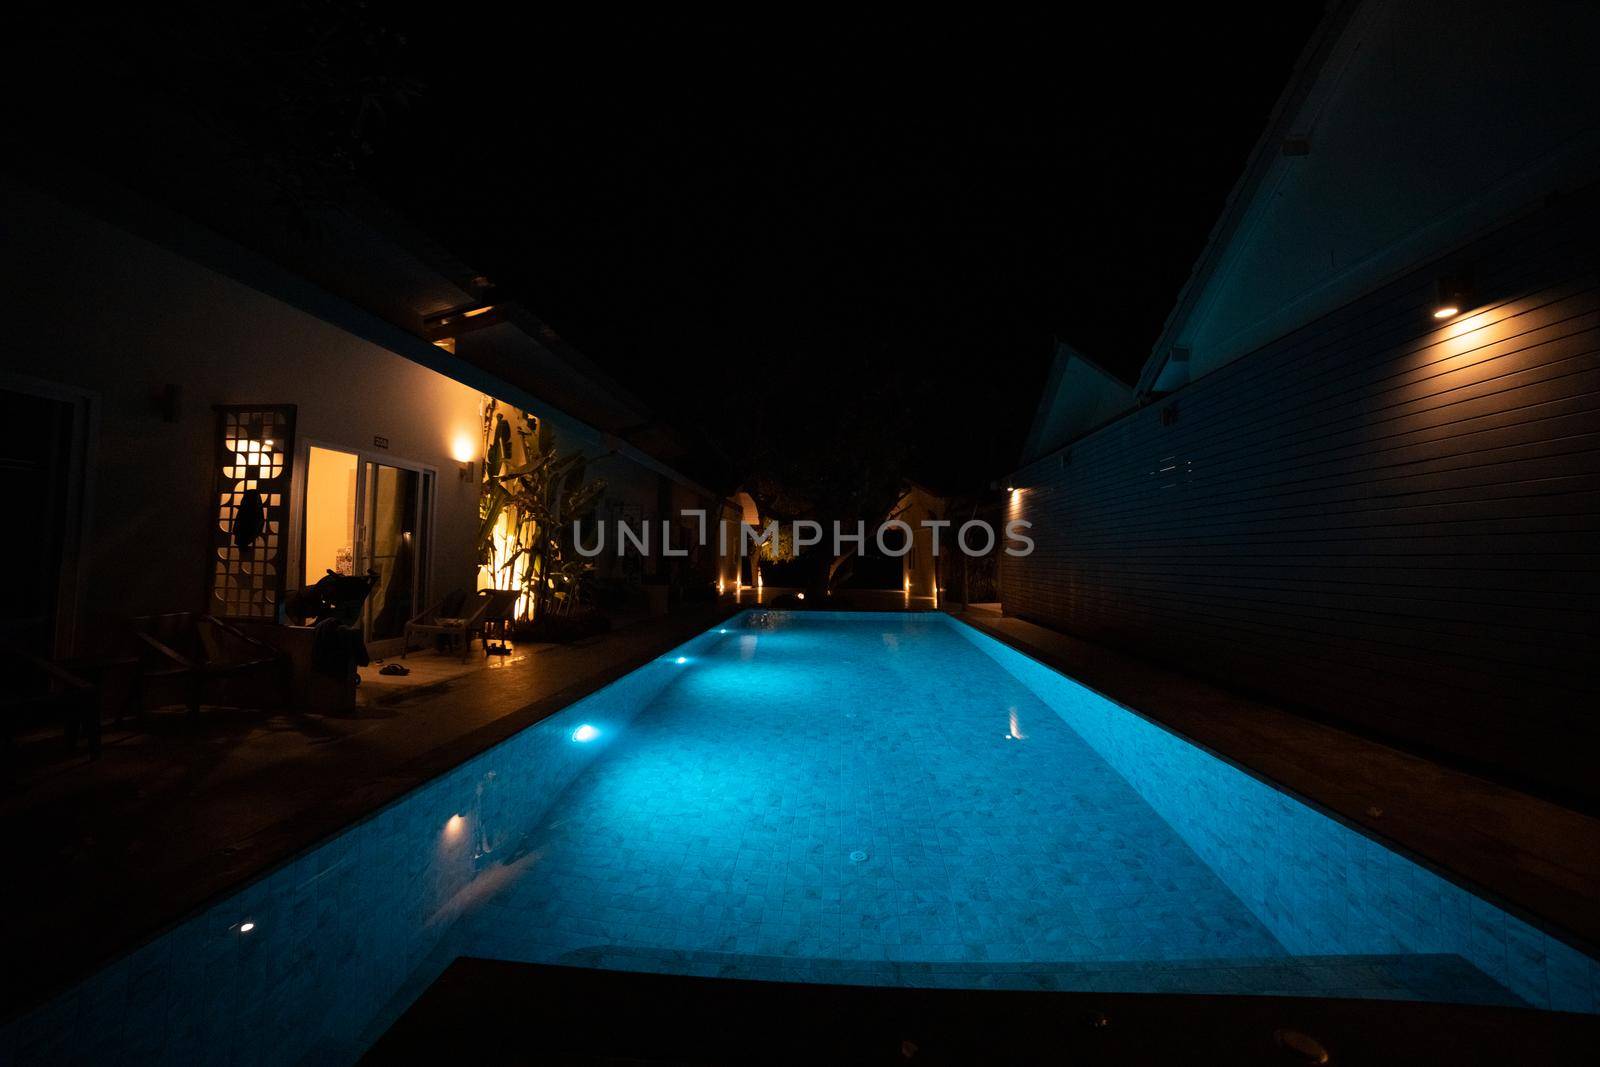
point(858, 798)
point(725, 822)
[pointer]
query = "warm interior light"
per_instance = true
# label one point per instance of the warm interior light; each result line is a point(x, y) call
point(330, 512)
point(1446, 312)
point(585, 733)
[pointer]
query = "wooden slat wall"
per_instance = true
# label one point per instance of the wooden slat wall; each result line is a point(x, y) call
point(1379, 519)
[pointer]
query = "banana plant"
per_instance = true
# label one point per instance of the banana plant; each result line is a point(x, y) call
point(541, 493)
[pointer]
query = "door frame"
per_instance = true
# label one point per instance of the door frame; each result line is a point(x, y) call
point(78, 517)
point(297, 514)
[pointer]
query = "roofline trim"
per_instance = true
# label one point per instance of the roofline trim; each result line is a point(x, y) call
point(1241, 199)
point(1064, 354)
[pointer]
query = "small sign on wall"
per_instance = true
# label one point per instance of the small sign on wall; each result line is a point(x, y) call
point(380, 441)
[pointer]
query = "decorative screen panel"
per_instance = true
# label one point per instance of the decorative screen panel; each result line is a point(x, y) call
point(250, 524)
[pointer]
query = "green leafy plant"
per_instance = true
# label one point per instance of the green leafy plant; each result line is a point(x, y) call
point(532, 494)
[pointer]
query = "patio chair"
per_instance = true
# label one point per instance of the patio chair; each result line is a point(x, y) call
point(37, 687)
point(203, 654)
point(458, 617)
point(498, 615)
point(336, 596)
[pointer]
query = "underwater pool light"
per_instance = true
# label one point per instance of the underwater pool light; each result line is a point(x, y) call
point(681, 659)
point(246, 927)
point(585, 733)
point(722, 631)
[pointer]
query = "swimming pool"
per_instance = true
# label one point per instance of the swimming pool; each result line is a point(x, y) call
point(858, 798)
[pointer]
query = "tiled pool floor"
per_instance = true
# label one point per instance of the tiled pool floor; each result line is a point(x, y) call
point(921, 806)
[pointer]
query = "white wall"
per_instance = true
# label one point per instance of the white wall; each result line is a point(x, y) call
point(103, 310)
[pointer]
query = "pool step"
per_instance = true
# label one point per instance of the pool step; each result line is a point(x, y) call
point(1434, 977)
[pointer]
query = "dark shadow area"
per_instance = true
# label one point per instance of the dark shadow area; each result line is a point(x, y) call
point(489, 1011)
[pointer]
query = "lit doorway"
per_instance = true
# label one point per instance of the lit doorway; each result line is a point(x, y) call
point(365, 515)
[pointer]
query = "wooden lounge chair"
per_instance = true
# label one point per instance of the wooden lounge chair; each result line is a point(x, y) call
point(458, 616)
point(202, 654)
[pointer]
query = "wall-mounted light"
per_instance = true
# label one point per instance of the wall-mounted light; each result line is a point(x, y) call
point(464, 452)
point(1453, 295)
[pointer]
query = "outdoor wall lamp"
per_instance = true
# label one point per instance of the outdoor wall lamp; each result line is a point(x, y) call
point(1453, 295)
point(463, 452)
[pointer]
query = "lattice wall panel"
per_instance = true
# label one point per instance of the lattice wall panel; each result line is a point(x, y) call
point(254, 449)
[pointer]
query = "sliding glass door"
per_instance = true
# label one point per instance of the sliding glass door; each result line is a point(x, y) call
point(393, 529)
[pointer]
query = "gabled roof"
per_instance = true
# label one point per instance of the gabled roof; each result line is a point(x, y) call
point(1267, 151)
point(1409, 129)
point(1079, 395)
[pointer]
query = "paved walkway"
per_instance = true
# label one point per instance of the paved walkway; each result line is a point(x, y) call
point(1534, 858)
point(104, 855)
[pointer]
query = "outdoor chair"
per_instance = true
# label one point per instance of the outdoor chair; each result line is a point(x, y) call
point(334, 596)
point(498, 615)
point(458, 617)
point(40, 688)
point(203, 655)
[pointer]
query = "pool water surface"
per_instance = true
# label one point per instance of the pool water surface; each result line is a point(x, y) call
point(878, 799)
point(859, 790)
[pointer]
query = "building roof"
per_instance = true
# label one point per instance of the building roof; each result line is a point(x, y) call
point(374, 275)
point(1079, 395)
point(1267, 151)
point(1408, 129)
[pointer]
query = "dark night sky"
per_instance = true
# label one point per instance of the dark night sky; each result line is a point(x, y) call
point(793, 226)
point(772, 215)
